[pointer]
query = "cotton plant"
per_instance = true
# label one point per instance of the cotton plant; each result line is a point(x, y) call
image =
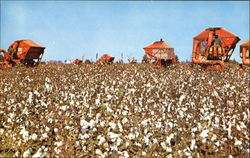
point(123, 111)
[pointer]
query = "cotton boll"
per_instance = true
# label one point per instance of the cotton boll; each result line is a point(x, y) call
point(204, 133)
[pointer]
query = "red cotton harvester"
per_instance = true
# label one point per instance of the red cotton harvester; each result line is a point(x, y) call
point(106, 59)
point(244, 52)
point(161, 53)
point(213, 47)
point(25, 52)
point(77, 61)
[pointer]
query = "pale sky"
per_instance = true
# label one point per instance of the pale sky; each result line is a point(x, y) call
point(71, 30)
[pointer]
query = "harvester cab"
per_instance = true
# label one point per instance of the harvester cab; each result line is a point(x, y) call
point(213, 47)
point(160, 53)
point(26, 52)
point(106, 59)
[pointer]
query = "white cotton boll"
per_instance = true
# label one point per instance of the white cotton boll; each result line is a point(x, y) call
point(34, 136)
point(237, 142)
point(238, 128)
point(229, 130)
point(113, 136)
point(170, 124)
point(214, 137)
point(50, 120)
point(109, 97)
point(242, 125)
point(192, 144)
point(38, 153)
point(64, 108)
point(109, 110)
point(92, 123)
point(144, 122)
point(112, 125)
point(102, 123)
point(182, 97)
point(204, 133)
point(77, 143)
point(158, 125)
point(168, 149)
point(146, 139)
point(85, 136)
point(113, 148)
point(119, 141)
point(57, 150)
point(24, 133)
point(217, 143)
point(131, 136)
point(44, 135)
point(124, 120)
point(1, 131)
point(163, 145)
point(26, 153)
point(120, 127)
point(124, 113)
point(58, 144)
point(98, 152)
point(125, 154)
point(55, 130)
point(168, 139)
point(84, 123)
point(67, 127)
point(47, 129)
point(187, 154)
point(143, 153)
point(97, 101)
point(101, 140)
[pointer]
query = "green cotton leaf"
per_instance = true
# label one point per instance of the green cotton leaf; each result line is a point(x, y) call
point(95, 142)
point(121, 91)
point(102, 106)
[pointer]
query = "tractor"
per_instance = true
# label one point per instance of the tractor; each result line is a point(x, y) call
point(24, 52)
point(213, 47)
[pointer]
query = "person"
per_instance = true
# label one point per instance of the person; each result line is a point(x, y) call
point(216, 46)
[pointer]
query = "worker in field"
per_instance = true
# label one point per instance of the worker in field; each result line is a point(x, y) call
point(216, 49)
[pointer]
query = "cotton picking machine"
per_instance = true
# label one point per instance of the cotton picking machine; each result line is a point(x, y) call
point(26, 52)
point(213, 47)
point(160, 53)
point(106, 59)
point(244, 52)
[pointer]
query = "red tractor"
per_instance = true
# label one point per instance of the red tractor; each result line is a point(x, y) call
point(26, 52)
point(106, 59)
point(161, 53)
point(213, 47)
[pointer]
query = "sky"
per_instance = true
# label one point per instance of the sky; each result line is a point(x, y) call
point(77, 29)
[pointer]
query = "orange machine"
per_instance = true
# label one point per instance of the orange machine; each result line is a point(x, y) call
point(244, 52)
point(213, 47)
point(106, 59)
point(77, 61)
point(161, 53)
point(26, 52)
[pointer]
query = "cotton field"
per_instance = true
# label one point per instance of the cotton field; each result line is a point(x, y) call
point(123, 110)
